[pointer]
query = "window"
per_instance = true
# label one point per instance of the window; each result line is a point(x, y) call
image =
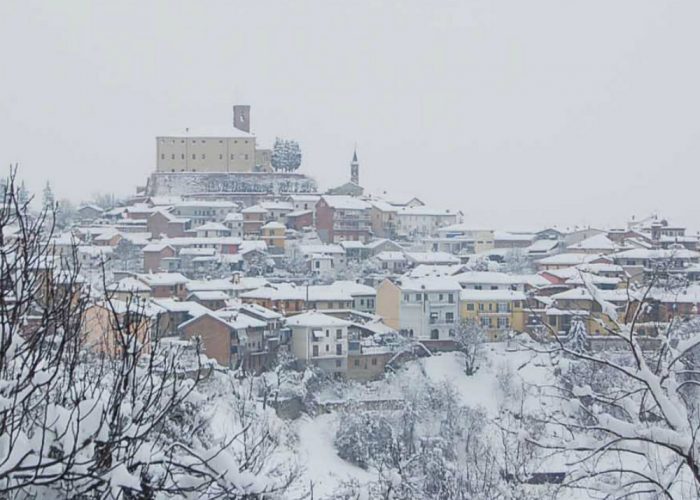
point(449, 317)
point(481, 306)
point(450, 298)
point(315, 351)
point(503, 307)
point(339, 349)
point(374, 361)
point(552, 321)
point(357, 363)
point(203, 156)
point(339, 333)
point(418, 297)
point(470, 306)
point(441, 298)
point(182, 156)
point(434, 334)
point(246, 156)
point(327, 348)
point(221, 157)
point(502, 323)
point(172, 156)
point(162, 156)
point(194, 156)
point(486, 322)
point(338, 363)
point(232, 156)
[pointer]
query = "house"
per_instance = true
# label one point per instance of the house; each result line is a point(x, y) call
point(563, 260)
point(213, 299)
point(355, 250)
point(165, 285)
point(234, 340)
point(284, 298)
point(364, 297)
point(253, 220)
point(383, 218)
point(426, 309)
point(154, 255)
point(203, 211)
point(598, 244)
point(234, 222)
point(498, 311)
point(431, 258)
point(490, 280)
point(320, 340)
point(273, 234)
point(109, 326)
point(89, 212)
point(461, 238)
point(128, 288)
point(341, 218)
point(394, 262)
point(212, 230)
point(161, 224)
point(505, 239)
point(424, 221)
point(277, 210)
point(299, 219)
point(382, 245)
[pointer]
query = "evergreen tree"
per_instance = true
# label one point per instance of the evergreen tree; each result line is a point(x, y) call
point(49, 200)
point(286, 155)
point(578, 337)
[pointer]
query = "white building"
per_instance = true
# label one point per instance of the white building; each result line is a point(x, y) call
point(426, 308)
point(320, 340)
point(424, 221)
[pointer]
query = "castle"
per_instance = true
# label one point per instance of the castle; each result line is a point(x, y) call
point(221, 164)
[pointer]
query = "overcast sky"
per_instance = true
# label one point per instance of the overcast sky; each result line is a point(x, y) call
point(520, 113)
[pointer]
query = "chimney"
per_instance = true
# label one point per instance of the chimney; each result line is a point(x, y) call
point(241, 117)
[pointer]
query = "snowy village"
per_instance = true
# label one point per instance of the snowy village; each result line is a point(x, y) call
point(437, 251)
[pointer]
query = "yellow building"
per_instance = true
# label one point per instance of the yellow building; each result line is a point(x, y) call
point(273, 235)
point(497, 311)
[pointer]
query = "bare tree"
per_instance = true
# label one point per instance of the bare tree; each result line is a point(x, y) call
point(94, 402)
point(629, 427)
point(469, 337)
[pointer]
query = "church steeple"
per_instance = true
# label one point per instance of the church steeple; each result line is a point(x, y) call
point(355, 169)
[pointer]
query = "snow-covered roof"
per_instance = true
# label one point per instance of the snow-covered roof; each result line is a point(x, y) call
point(582, 293)
point(423, 270)
point(277, 205)
point(353, 289)
point(209, 285)
point(343, 202)
point(208, 295)
point(489, 278)
point(685, 295)
point(156, 247)
point(599, 242)
point(387, 256)
point(212, 226)
point(313, 319)
point(322, 249)
point(352, 244)
point(129, 285)
point(491, 295)
point(254, 209)
point(432, 257)
point(433, 283)
point(162, 279)
point(508, 236)
point(568, 259)
point(274, 225)
point(205, 204)
point(657, 254)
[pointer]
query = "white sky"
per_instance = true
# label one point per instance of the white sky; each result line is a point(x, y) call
point(520, 113)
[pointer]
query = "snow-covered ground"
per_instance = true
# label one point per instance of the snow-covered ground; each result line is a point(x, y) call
point(316, 452)
point(322, 466)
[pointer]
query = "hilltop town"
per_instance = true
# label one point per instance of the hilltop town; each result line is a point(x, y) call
point(253, 259)
point(366, 344)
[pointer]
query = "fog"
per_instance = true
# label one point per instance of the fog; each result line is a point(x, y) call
point(520, 114)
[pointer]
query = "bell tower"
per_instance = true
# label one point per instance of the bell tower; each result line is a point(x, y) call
point(355, 169)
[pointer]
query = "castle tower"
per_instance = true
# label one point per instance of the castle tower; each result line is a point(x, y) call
point(355, 169)
point(241, 117)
